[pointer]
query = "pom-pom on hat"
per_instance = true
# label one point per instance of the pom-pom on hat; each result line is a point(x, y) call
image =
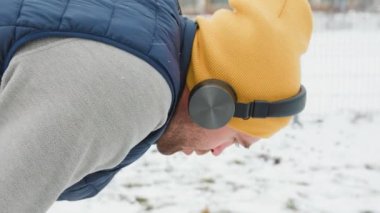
point(256, 48)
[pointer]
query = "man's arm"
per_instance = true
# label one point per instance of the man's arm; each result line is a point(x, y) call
point(70, 107)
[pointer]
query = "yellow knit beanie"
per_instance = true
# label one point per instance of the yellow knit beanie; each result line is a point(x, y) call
point(256, 48)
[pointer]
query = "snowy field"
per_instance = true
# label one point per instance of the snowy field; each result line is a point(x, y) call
point(328, 161)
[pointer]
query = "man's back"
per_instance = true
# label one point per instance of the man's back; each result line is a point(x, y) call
point(71, 107)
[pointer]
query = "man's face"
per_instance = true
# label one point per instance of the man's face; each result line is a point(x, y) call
point(184, 135)
point(191, 138)
point(216, 141)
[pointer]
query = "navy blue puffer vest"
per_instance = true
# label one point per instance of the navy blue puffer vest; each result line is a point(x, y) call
point(153, 30)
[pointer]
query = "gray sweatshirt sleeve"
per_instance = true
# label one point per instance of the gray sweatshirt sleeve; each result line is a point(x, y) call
point(70, 107)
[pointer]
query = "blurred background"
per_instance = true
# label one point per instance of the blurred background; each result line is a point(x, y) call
point(326, 160)
point(194, 7)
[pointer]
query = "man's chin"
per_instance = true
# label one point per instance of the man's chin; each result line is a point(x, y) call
point(164, 151)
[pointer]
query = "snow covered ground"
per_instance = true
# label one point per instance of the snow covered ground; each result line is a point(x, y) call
point(329, 162)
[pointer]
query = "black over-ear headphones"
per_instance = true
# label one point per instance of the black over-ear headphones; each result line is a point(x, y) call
point(212, 103)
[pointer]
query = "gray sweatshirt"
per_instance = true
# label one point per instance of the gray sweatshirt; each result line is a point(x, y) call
point(68, 108)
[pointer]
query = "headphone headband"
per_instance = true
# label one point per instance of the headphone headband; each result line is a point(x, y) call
point(264, 109)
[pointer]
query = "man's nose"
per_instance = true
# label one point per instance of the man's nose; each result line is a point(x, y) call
point(247, 140)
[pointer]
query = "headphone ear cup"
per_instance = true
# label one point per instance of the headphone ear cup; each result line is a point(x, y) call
point(212, 104)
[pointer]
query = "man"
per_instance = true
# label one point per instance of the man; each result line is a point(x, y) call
point(89, 86)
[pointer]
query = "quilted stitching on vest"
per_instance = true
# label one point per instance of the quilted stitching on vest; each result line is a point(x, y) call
point(150, 29)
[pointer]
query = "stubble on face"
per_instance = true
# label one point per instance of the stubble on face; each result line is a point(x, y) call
point(173, 138)
point(181, 132)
